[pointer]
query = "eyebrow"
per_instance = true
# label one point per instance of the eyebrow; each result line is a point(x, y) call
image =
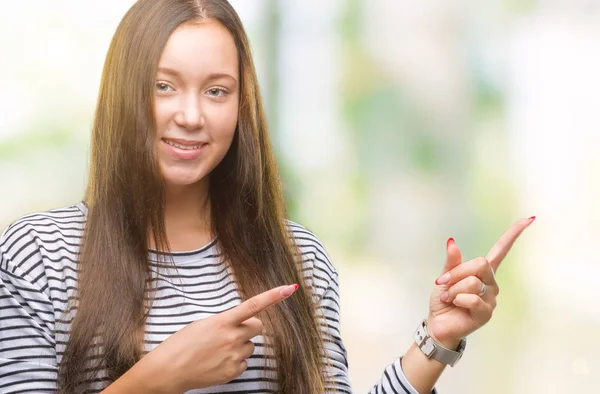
point(211, 76)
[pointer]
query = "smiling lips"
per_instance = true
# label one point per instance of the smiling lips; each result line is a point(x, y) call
point(184, 144)
point(184, 149)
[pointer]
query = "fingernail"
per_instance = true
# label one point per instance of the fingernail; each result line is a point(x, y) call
point(531, 219)
point(449, 242)
point(288, 290)
point(444, 296)
point(443, 279)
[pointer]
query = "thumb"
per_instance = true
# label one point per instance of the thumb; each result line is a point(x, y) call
point(453, 256)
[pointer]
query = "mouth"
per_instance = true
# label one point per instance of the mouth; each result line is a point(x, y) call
point(184, 144)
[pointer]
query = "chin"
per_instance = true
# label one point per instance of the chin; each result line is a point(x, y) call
point(182, 179)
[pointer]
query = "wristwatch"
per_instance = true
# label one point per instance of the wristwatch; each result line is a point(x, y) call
point(434, 350)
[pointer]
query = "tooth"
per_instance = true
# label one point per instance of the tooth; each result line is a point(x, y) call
point(184, 147)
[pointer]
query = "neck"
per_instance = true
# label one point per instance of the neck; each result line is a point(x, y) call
point(187, 216)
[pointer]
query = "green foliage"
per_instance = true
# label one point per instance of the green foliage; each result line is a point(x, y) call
point(23, 143)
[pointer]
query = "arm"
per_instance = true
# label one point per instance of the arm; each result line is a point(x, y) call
point(149, 375)
point(393, 380)
point(204, 353)
point(324, 281)
point(27, 347)
point(423, 371)
point(462, 301)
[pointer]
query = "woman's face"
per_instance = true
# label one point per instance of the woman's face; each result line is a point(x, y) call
point(196, 101)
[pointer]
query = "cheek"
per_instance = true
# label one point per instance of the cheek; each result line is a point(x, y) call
point(162, 114)
point(226, 120)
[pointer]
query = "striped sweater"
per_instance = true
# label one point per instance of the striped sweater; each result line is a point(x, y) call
point(38, 275)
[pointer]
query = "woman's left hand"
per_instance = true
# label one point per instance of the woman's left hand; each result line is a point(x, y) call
point(465, 294)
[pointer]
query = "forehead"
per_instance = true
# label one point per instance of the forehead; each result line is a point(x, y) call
point(200, 48)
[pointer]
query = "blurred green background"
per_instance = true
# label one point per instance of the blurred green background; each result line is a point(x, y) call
point(397, 124)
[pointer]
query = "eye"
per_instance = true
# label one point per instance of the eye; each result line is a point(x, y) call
point(217, 92)
point(162, 87)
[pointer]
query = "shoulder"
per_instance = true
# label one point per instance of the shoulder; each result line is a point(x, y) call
point(317, 266)
point(37, 240)
point(59, 223)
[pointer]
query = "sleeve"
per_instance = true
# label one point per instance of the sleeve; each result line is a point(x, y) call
point(392, 379)
point(28, 361)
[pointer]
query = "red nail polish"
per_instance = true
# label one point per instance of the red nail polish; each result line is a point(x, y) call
point(532, 218)
point(296, 287)
point(450, 241)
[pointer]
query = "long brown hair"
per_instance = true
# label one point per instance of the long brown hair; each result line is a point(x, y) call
point(125, 198)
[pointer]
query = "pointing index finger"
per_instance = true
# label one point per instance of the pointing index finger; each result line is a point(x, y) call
point(259, 303)
point(506, 241)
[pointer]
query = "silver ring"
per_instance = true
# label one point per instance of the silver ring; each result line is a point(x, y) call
point(483, 290)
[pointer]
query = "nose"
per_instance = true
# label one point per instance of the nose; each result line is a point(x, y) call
point(189, 114)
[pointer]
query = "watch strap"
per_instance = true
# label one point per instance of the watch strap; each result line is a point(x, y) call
point(434, 350)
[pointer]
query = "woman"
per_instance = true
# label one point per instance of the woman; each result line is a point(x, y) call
point(139, 288)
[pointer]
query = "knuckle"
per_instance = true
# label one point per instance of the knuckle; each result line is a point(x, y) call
point(483, 264)
point(469, 302)
point(218, 322)
point(253, 306)
point(232, 371)
point(242, 366)
point(232, 337)
point(259, 326)
point(473, 282)
point(239, 356)
point(488, 317)
point(249, 351)
point(255, 326)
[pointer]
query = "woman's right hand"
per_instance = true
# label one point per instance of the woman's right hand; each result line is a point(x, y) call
point(214, 350)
